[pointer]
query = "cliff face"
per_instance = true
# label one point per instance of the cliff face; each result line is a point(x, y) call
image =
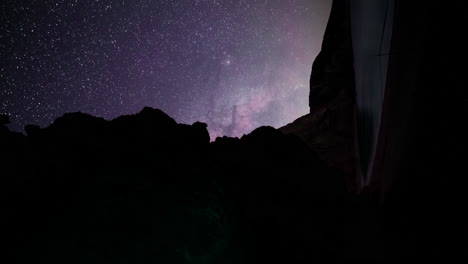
point(144, 189)
point(420, 167)
point(418, 173)
point(332, 71)
point(329, 127)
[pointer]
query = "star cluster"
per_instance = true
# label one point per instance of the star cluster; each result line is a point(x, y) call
point(235, 65)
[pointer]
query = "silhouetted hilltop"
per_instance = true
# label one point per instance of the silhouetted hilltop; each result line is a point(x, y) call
point(142, 188)
point(150, 126)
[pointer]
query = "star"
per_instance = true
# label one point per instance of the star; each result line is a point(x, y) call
point(196, 62)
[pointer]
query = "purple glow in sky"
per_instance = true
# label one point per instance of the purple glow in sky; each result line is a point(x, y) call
point(235, 65)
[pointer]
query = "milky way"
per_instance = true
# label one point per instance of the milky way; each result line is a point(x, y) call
point(234, 65)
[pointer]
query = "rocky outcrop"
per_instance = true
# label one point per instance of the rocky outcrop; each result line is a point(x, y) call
point(142, 188)
point(332, 70)
point(329, 132)
point(329, 127)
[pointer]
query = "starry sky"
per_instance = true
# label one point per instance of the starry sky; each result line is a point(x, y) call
point(233, 64)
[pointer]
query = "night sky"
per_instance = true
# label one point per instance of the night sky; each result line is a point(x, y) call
point(233, 64)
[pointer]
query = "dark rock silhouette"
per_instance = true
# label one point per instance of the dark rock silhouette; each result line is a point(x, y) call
point(332, 70)
point(329, 127)
point(329, 131)
point(412, 207)
point(142, 189)
point(420, 171)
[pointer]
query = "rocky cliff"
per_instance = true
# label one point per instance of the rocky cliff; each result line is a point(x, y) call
point(329, 128)
point(143, 189)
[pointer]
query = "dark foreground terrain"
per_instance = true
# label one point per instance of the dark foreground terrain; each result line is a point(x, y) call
point(144, 189)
